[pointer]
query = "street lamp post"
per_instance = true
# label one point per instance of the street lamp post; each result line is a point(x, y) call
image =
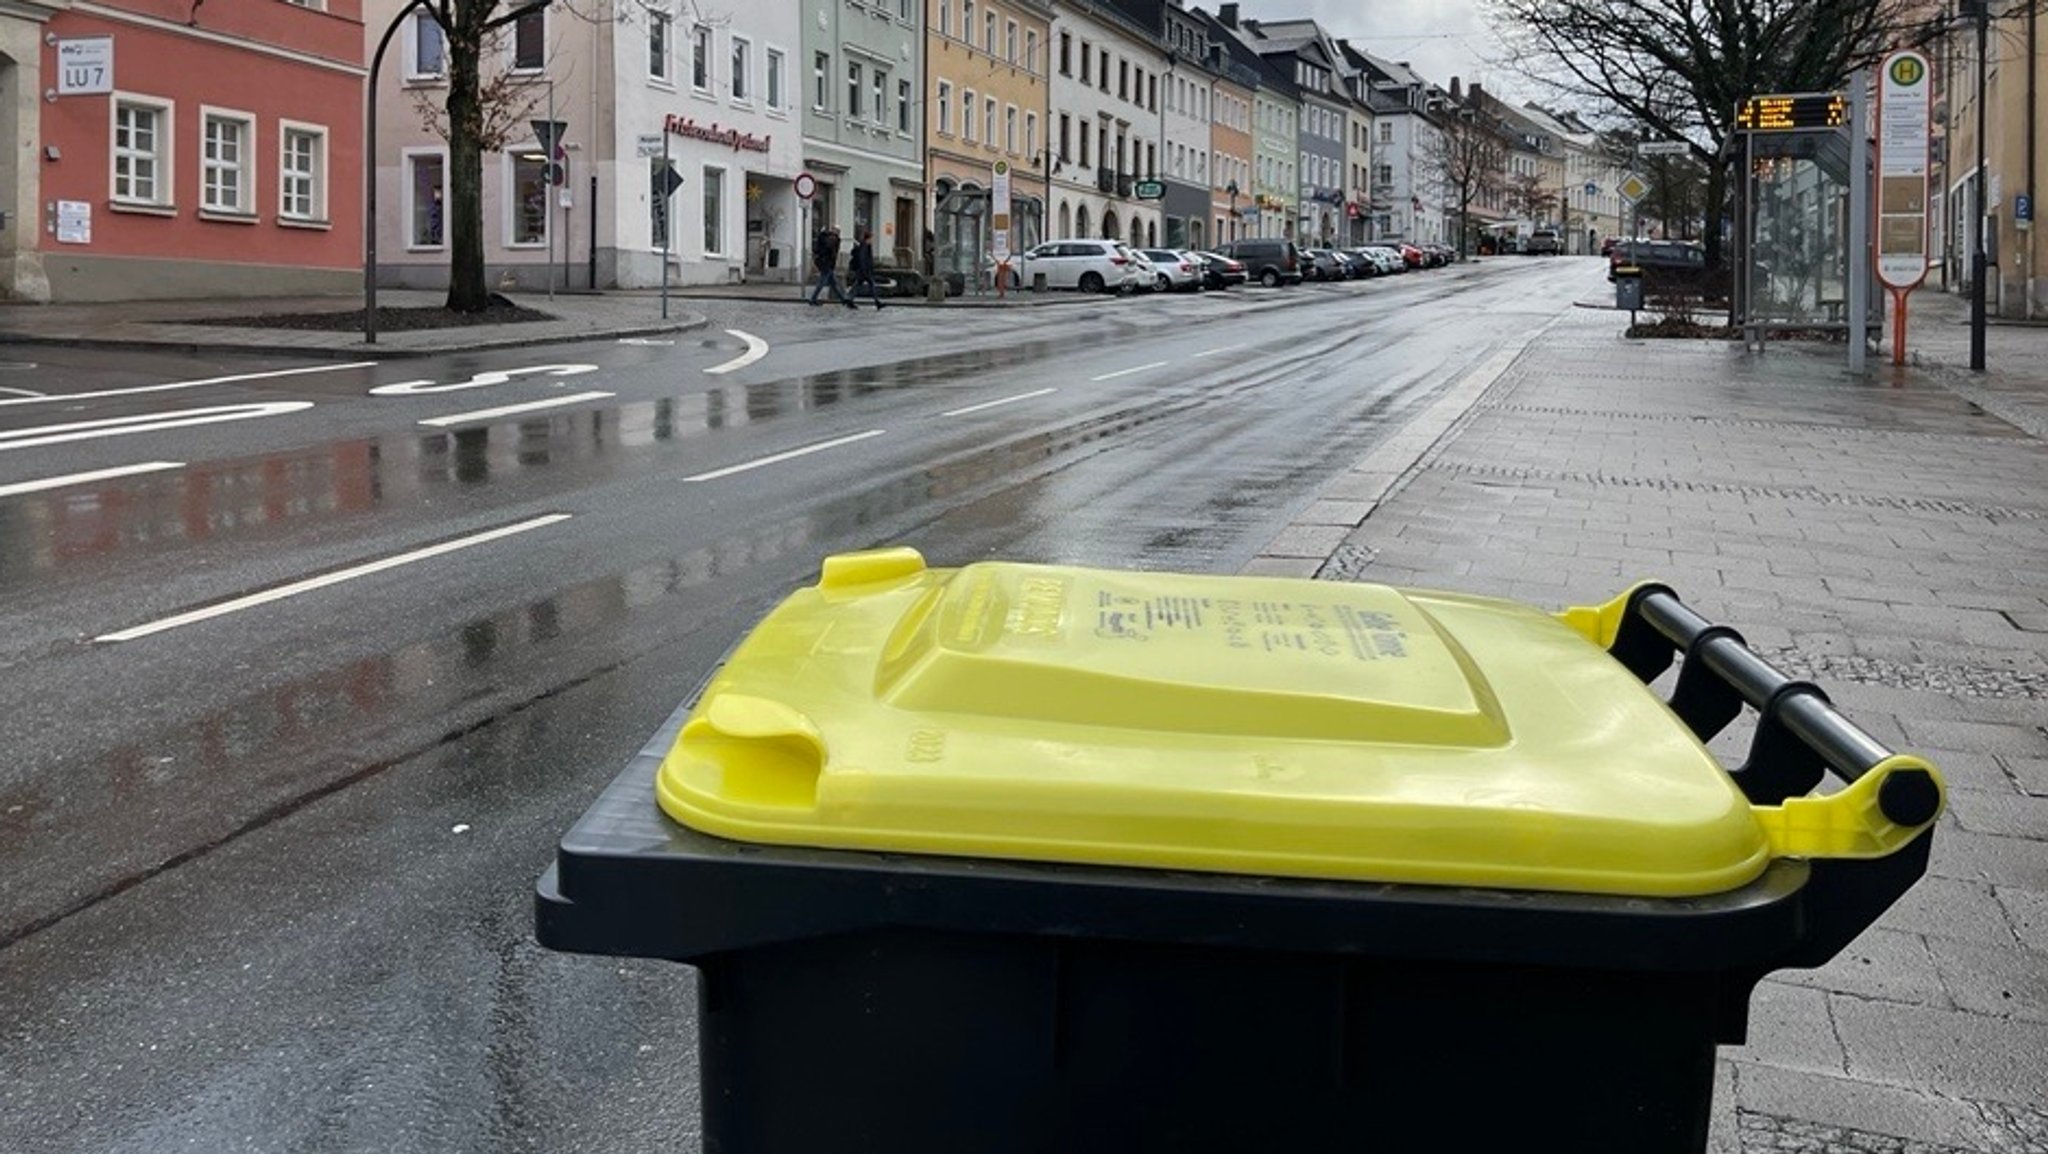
point(370, 153)
point(370, 176)
point(1981, 9)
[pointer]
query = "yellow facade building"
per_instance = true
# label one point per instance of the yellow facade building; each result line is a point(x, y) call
point(986, 102)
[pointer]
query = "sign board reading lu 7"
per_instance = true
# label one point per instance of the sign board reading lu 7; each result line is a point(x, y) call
point(85, 66)
point(1902, 127)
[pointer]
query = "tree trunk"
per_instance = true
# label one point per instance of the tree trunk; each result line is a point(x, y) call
point(468, 291)
point(1716, 208)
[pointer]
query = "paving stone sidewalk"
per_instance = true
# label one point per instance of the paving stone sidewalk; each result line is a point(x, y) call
point(1888, 538)
point(210, 325)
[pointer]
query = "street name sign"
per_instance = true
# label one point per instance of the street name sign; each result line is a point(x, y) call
point(1663, 148)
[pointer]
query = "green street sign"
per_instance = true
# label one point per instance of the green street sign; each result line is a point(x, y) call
point(1149, 189)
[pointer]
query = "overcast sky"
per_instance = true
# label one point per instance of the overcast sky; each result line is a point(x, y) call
point(1439, 38)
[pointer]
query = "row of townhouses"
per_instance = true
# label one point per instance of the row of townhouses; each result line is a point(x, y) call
point(175, 147)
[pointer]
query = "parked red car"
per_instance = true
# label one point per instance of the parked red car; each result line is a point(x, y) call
point(1412, 256)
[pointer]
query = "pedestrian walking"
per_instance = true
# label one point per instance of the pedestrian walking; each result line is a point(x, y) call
point(825, 258)
point(862, 266)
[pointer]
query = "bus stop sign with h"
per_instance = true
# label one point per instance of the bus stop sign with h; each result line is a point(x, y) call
point(1902, 119)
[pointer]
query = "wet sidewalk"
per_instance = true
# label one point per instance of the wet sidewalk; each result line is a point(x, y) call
point(1886, 537)
point(210, 325)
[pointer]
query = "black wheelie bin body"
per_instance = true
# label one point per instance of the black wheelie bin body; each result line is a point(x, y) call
point(1032, 858)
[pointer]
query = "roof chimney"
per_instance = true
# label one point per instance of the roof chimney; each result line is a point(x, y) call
point(1226, 14)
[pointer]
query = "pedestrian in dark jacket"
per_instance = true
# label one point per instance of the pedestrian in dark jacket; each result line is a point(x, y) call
point(825, 258)
point(863, 268)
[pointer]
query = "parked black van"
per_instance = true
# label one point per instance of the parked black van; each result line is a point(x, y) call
point(1267, 260)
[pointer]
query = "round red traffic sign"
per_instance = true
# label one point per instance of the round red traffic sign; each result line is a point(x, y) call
point(806, 186)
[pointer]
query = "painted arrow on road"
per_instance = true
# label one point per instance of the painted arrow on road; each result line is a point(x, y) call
point(142, 423)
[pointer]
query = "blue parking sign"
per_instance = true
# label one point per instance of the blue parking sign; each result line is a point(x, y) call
point(2023, 206)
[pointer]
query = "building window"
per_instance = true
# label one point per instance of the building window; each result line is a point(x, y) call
point(1010, 128)
point(658, 24)
point(945, 108)
point(821, 81)
point(906, 10)
point(1152, 93)
point(426, 190)
point(302, 173)
point(1066, 136)
point(1123, 80)
point(945, 17)
point(967, 22)
point(1085, 54)
point(1031, 50)
point(903, 105)
point(742, 69)
point(879, 90)
point(1031, 135)
point(967, 116)
point(528, 200)
point(714, 211)
point(141, 152)
point(1386, 133)
point(853, 88)
point(775, 98)
point(428, 58)
point(1067, 54)
point(224, 163)
point(1010, 41)
point(700, 57)
point(1084, 146)
point(988, 36)
point(988, 121)
point(530, 41)
point(863, 211)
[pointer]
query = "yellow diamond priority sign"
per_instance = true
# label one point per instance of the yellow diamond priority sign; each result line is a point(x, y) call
point(1633, 188)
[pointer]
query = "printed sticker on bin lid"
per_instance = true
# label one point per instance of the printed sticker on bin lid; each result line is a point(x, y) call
point(1238, 724)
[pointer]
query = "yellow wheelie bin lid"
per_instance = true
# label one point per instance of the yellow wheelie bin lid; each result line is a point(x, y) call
point(1247, 725)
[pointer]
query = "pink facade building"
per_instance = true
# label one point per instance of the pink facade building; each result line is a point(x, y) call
point(180, 148)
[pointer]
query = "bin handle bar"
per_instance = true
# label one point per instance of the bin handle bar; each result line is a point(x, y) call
point(1799, 731)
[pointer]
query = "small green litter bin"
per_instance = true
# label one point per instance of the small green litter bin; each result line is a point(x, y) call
point(1035, 858)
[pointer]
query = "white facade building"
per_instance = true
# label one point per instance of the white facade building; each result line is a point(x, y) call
point(719, 80)
point(1107, 77)
point(1407, 181)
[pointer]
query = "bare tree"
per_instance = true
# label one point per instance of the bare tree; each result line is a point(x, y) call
point(1679, 67)
point(486, 105)
point(1528, 195)
point(1466, 157)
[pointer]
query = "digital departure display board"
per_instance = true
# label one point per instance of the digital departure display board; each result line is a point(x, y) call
point(1791, 113)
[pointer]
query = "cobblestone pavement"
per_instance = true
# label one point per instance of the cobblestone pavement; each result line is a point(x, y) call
point(1887, 537)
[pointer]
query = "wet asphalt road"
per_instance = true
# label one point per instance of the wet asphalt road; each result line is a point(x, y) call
point(268, 874)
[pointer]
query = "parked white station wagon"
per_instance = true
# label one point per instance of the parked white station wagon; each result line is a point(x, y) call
point(1089, 265)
